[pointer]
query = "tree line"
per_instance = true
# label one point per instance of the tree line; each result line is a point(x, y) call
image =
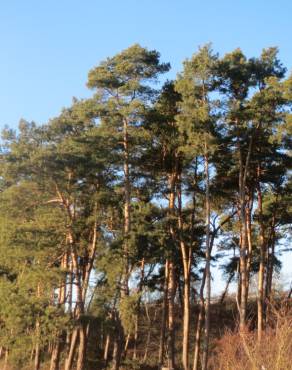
point(130, 196)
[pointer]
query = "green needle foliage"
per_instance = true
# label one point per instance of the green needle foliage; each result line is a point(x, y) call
point(114, 214)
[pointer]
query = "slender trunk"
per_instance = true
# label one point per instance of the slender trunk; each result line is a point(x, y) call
point(261, 274)
point(164, 315)
point(106, 349)
point(186, 321)
point(225, 291)
point(55, 356)
point(5, 359)
point(127, 204)
point(37, 357)
point(115, 363)
point(199, 324)
point(249, 239)
point(82, 348)
point(70, 357)
point(270, 260)
point(149, 331)
point(171, 282)
point(208, 272)
point(171, 314)
point(136, 337)
point(126, 345)
point(124, 290)
point(202, 300)
point(117, 351)
point(186, 257)
point(70, 288)
point(243, 171)
point(147, 345)
point(138, 308)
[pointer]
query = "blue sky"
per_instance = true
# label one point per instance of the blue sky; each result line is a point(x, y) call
point(48, 47)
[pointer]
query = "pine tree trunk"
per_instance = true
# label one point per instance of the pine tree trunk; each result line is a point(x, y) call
point(243, 272)
point(208, 272)
point(249, 239)
point(126, 345)
point(37, 357)
point(270, 261)
point(115, 362)
point(171, 315)
point(202, 300)
point(106, 349)
point(127, 205)
point(261, 274)
point(243, 171)
point(136, 337)
point(199, 324)
point(55, 357)
point(5, 359)
point(82, 348)
point(137, 317)
point(171, 281)
point(164, 315)
point(186, 322)
point(186, 257)
point(149, 331)
point(225, 291)
point(116, 353)
point(70, 357)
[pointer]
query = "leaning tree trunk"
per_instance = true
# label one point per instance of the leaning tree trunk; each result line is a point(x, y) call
point(106, 348)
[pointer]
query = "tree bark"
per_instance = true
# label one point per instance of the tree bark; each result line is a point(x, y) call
point(199, 324)
point(208, 272)
point(118, 341)
point(55, 356)
point(82, 348)
point(70, 357)
point(106, 349)
point(243, 171)
point(261, 274)
point(127, 205)
point(164, 315)
point(186, 257)
point(37, 357)
point(171, 315)
point(171, 281)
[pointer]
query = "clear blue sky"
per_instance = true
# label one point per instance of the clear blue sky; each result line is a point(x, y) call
point(48, 46)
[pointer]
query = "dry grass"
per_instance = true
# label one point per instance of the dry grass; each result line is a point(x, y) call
point(274, 352)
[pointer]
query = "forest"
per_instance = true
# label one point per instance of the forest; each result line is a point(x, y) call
point(115, 214)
